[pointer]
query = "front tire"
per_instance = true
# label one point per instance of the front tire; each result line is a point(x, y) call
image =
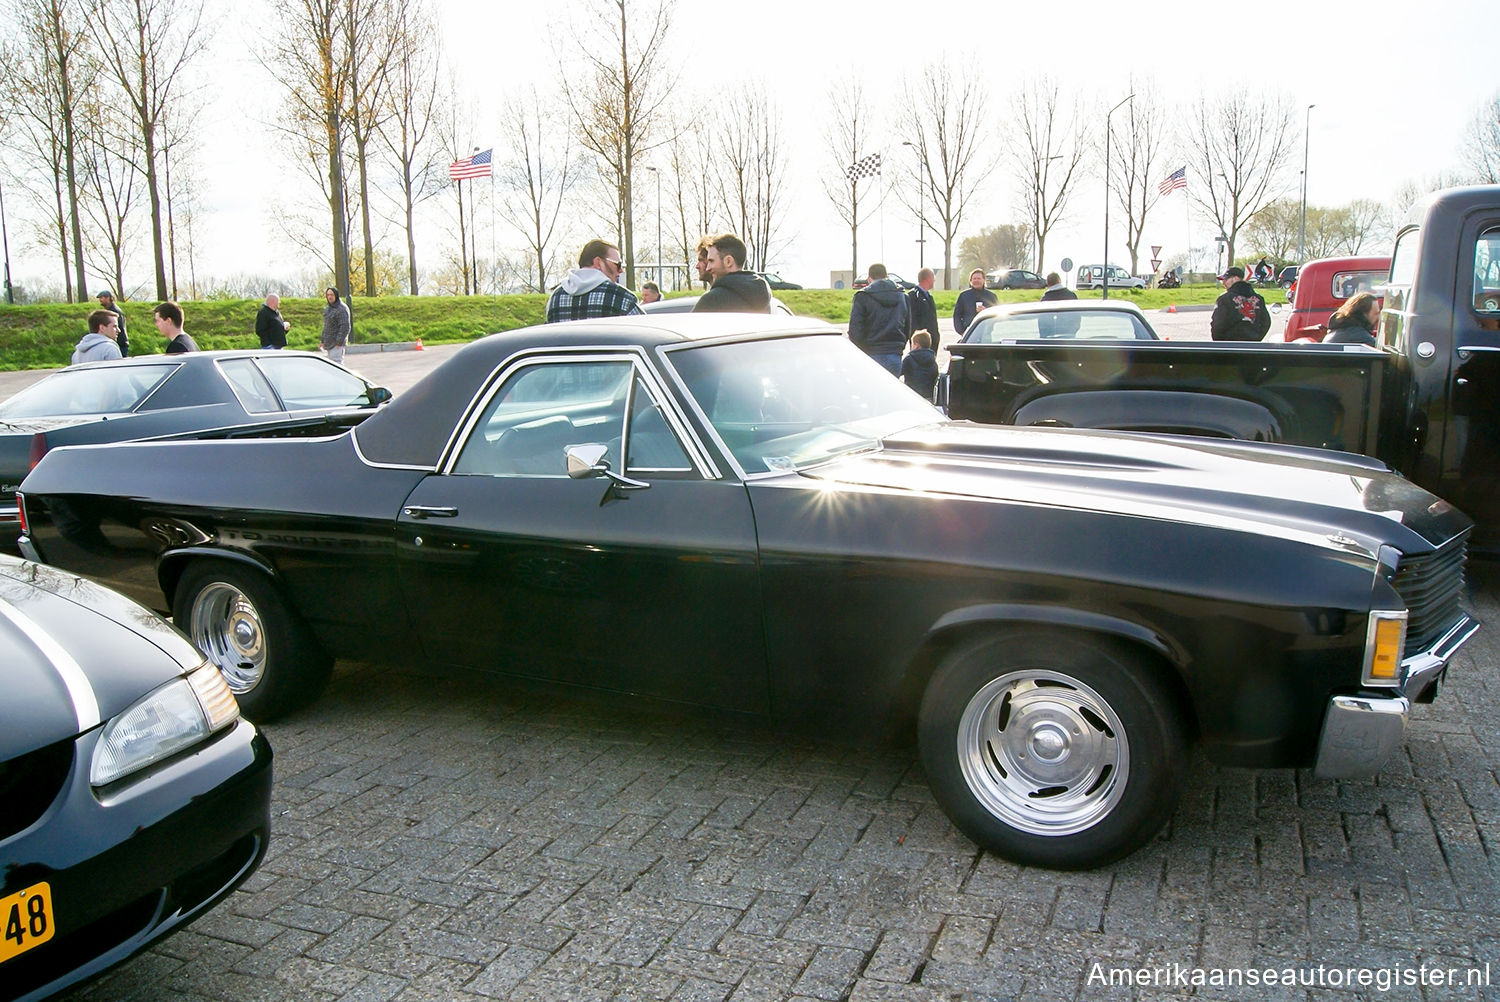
point(1051, 749)
point(236, 616)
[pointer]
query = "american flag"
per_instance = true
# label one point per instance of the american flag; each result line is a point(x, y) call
point(476, 166)
point(1176, 179)
point(868, 167)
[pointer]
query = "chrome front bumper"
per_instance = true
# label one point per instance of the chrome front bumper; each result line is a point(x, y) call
point(1361, 733)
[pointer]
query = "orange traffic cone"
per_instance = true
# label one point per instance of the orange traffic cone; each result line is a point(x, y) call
point(419, 345)
point(1171, 309)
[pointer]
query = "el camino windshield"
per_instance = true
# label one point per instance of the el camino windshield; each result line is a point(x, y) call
point(790, 402)
point(101, 389)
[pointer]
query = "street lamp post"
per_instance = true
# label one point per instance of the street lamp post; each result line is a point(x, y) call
point(10, 296)
point(922, 207)
point(1302, 233)
point(1105, 262)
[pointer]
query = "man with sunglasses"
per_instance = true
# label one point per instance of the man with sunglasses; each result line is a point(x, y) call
point(100, 344)
point(592, 289)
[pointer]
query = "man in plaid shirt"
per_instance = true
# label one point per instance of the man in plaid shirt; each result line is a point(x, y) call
point(590, 289)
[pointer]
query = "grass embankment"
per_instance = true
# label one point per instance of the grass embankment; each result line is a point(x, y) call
point(37, 337)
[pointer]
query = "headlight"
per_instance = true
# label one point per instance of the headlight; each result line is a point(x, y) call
point(173, 717)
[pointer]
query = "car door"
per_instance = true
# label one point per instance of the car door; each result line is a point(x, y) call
point(511, 565)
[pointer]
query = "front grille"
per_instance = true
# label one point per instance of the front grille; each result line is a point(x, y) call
point(29, 783)
point(1432, 586)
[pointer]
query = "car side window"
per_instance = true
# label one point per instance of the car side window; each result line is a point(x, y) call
point(1487, 275)
point(650, 445)
point(542, 409)
point(305, 383)
point(250, 386)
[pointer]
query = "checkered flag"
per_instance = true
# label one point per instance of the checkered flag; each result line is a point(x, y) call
point(868, 167)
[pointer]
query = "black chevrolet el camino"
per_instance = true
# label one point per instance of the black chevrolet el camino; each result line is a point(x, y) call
point(746, 513)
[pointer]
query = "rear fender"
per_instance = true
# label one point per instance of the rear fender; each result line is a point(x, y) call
point(171, 565)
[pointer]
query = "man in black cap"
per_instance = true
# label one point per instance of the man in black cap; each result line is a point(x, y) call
point(107, 301)
point(1240, 314)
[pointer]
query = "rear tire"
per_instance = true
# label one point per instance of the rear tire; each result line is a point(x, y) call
point(237, 617)
point(1052, 749)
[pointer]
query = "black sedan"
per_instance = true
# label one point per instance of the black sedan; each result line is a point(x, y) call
point(151, 396)
point(1014, 278)
point(1071, 319)
point(748, 514)
point(132, 795)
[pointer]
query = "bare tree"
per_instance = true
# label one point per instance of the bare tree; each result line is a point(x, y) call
point(945, 116)
point(368, 26)
point(750, 171)
point(1133, 176)
point(47, 81)
point(620, 95)
point(412, 104)
point(535, 182)
point(1239, 146)
point(109, 178)
point(1046, 151)
point(1481, 148)
point(688, 159)
point(309, 57)
point(145, 46)
point(853, 170)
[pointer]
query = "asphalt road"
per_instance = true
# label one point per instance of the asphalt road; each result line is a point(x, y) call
point(456, 838)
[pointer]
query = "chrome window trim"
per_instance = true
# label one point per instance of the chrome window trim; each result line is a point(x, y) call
point(635, 355)
point(367, 461)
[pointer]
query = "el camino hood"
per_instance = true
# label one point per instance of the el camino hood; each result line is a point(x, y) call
point(1333, 500)
point(74, 653)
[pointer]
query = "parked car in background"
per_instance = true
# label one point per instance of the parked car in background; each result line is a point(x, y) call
point(1014, 278)
point(717, 510)
point(150, 396)
point(903, 284)
point(133, 797)
point(1091, 276)
point(775, 281)
point(1322, 286)
point(1288, 276)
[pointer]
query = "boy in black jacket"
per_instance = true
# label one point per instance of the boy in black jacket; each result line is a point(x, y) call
point(919, 368)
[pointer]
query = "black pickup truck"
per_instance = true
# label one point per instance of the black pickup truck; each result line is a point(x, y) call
point(1426, 402)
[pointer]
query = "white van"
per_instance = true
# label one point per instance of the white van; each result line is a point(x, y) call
point(1091, 276)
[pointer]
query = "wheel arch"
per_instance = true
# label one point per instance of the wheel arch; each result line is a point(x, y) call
point(170, 566)
point(1161, 654)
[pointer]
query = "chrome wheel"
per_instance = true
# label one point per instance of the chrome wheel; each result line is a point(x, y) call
point(226, 626)
point(1043, 752)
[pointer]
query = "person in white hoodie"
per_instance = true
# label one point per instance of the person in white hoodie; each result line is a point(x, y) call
point(99, 344)
point(591, 289)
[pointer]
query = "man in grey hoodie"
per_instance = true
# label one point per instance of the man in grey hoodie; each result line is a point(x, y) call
point(592, 289)
point(99, 344)
point(878, 320)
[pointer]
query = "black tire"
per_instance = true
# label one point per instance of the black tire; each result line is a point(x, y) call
point(1052, 749)
point(237, 617)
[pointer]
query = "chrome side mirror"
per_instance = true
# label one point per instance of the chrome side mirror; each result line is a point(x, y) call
point(587, 460)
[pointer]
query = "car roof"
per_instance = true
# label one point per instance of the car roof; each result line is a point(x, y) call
point(1363, 262)
point(412, 429)
point(195, 358)
point(1064, 305)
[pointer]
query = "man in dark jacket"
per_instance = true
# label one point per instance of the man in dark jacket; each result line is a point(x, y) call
point(733, 291)
point(270, 327)
point(922, 310)
point(107, 301)
point(973, 299)
point(1057, 289)
point(878, 320)
point(1240, 314)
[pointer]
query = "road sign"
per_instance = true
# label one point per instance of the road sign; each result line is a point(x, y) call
point(1155, 263)
point(1067, 264)
point(1156, 250)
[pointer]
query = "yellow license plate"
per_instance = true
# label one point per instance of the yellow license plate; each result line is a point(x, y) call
point(25, 920)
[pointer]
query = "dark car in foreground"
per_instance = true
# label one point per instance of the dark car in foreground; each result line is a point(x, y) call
point(748, 514)
point(132, 795)
point(151, 396)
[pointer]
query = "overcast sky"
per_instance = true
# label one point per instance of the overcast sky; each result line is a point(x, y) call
point(1393, 84)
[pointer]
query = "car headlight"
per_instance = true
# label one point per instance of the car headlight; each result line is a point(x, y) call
point(175, 716)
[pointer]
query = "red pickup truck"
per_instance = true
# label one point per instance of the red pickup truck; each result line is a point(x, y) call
point(1323, 285)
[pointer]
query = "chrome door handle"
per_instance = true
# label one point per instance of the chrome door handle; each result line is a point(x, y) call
point(429, 511)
